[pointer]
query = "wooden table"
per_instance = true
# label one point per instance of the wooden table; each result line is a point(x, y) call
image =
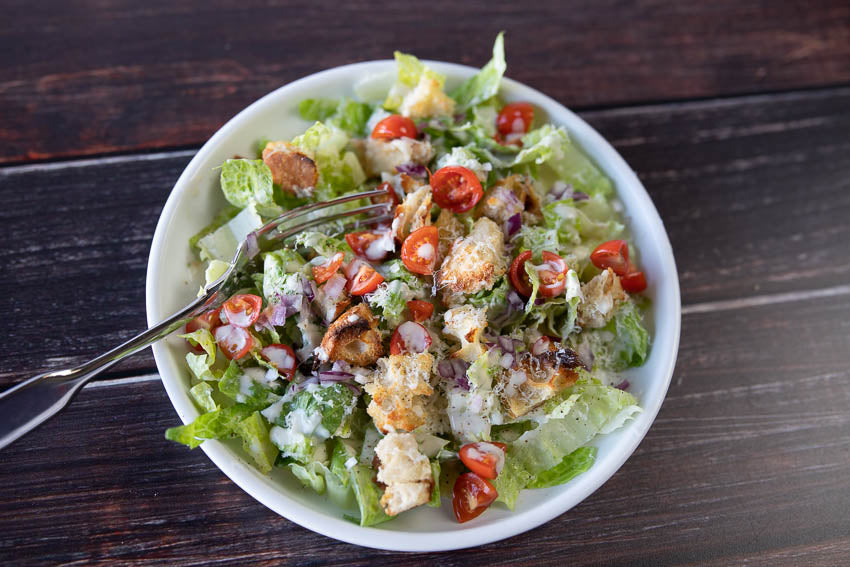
point(736, 116)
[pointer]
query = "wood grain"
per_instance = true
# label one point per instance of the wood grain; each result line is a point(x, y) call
point(754, 194)
point(747, 462)
point(91, 77)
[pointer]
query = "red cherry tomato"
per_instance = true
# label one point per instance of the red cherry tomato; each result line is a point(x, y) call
point(391, 197)
point(242, 309)
point(208, 321)
point(420, 310)
point(471, 496)
point(634, 281)
point(456, 188)
point(365, 243)
point(515, 118)
point(394, 126)
point(364, 280)
point(484, 459)
point(613, 254)
point(281, 357)
point(234, 342)
point(518, 276)
point(552, 274)
point(410, 337)
point(324, 271)
point(419, 250)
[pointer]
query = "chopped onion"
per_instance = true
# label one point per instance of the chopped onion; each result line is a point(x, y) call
point(341, 366)
point(454, 369)
point(334, 286)
point(507, 360)
point(579, 196)
point(302, 385)
point(252, 248)
point(414, 169)
point(334, 376)
point(309, 287)
point(513, 224)
point(355, 389)
point(624, 385)
point(506, 344)
point(540, 346)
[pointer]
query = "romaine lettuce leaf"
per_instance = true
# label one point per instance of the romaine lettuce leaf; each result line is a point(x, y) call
point(390, 299)
point(622, 343)
point(221, 244)
point(202, 396)
point(246, 181)
point(368, 495)
point(322, 244)
point(217, 424)
point(255, 441)
point(410, 72)
point(346, 114)
point(434, 502)
point(339, 170)
point(204, 338)
point(513, 478)
point(484, 84)
point(201, 366)
point(571, 466)
point(282, 274)
point(221, 219)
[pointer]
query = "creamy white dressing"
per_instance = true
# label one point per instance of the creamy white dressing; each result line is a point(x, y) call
point(414, 336)
point(426, 251)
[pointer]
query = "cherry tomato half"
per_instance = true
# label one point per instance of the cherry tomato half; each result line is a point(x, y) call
point(471, 496)
point(518, 276)
point(324, 271)
point(515, 118)
point(394, 126)
point(419, 250)
point(208, 321)
point(242, 309)
point(391, 197)
point(234, 342)
point(420, 310)
point(282, 357)
point(634, 281)
point(364, 280)
point(484, 459)
point(613, 254)
point(552, 274)
point(365, 243)
point(410, 337)
point(456, 188)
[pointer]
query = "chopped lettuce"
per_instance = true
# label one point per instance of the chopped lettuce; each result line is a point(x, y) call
point(396, 270)
point(464, 157)
point(221, 219)
point(622, 343)
point(346, 114)
point(246, 181)
point(513, 478)
point(484, 84)
point(282, 274)
point(434, 502)
point(218, 424)
point(202, 396)
point(254, 432)
point(390, 299)
point(221, 244)
point(368, 495)
point(201, 366)
point(410, 72)
point(250, 386)
point(204, 338)
point(572, 465)
point(322, 244)
point(339, 170)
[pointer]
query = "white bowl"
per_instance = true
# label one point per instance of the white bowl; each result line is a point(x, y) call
point(174, 277)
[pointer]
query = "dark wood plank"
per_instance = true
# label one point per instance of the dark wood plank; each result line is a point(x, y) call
point(754, 193)
point(93, 77)
point(747, 462)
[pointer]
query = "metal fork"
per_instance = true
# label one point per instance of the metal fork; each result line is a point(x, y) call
point(29, 404)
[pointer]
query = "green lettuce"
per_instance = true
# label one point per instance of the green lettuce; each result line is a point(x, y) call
point(622, 343)
point(246, 181)
point(389, 301)
point(282, 274)
point(410, 72)
point(368, 495)
point(221, 219)
point(254, 432)
point(346, 114)
point(202, 396)
point(434, 502)
point(204, 338)
point(484, 84)
point(339, 170)
point(323, 245)
point(221, 244)
point(218, 424)
point(201, 366)
point(511, 480)
point(239, 385)
point(572, 465)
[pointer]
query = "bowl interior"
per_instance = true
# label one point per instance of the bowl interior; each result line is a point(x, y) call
point(174, 275)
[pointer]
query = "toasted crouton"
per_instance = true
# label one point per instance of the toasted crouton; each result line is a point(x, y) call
point(466, 323)
point(474, 262)
point(427, 99)
point(398, 391)
point(353, 337)
point(602, 296)
point(383, 156)
point(449, 229)
point(413, 213)
point(295, 172)
point(535, 379)
point(509, 196)
point(404, 471)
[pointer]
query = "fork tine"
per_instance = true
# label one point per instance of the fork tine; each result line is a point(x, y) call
point(298, 211)
point(314, 222)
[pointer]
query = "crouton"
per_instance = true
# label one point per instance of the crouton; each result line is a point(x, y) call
point(466, 323)
point(427, 99)
point(353, 337)
point(405, 473)
point(413, 213)
point(449, 229)
point(474, 262)
point(536, 378)
point(398, 391)
point(509, 196)
point(382, 155)
point(602, 296)
point(295, 172)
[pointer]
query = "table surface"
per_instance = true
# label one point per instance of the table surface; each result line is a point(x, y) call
point(734, 113)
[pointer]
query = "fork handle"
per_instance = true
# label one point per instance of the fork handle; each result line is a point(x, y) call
point(29, 404)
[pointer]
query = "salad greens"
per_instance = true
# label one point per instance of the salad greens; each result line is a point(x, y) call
point(478, 334)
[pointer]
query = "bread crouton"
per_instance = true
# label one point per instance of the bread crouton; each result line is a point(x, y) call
point(427, 99)
point(405, 473)
point(353, 337)
point(383, 155)
point(398, 391)
point(509, 196)
point(295, 172)
point(413, 213)
point(449, 229)
point(602, 296)
point(466, 323)
point(536, 378)
point(474, 262)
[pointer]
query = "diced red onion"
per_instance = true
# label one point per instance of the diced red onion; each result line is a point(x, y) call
point(341, 366)
point(624, 385)
point(252, 248)
point(513, 224)
point(506, 344)
point(506, 360)
point(355, 389)
point(334, 376)
point(454, 369)
point(515, 301)
point(414, 169)
point(540, 346)
point(580, 196)
point(460, 118)
point(309, 287)
point(334, 286)
point(302, 385)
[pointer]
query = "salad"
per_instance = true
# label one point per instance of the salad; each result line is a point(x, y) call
point(464, 351)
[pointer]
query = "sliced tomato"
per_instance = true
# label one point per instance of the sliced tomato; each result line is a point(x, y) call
point(394, 126)
point(282, 357)
point(456, 188)
point(410, 337)
point(419, 250)
point(364, 280)
point(515, 118)
point(209, 321)
point(634, 281)
point(325, 270)
point(552, 274)
point(234, 342)
point(242, 309)
point(484, 459)
point(613, 254)
point(471, 496)
point(518, 276)
point(420, 310)
point(391, 197)
point(371, 244)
